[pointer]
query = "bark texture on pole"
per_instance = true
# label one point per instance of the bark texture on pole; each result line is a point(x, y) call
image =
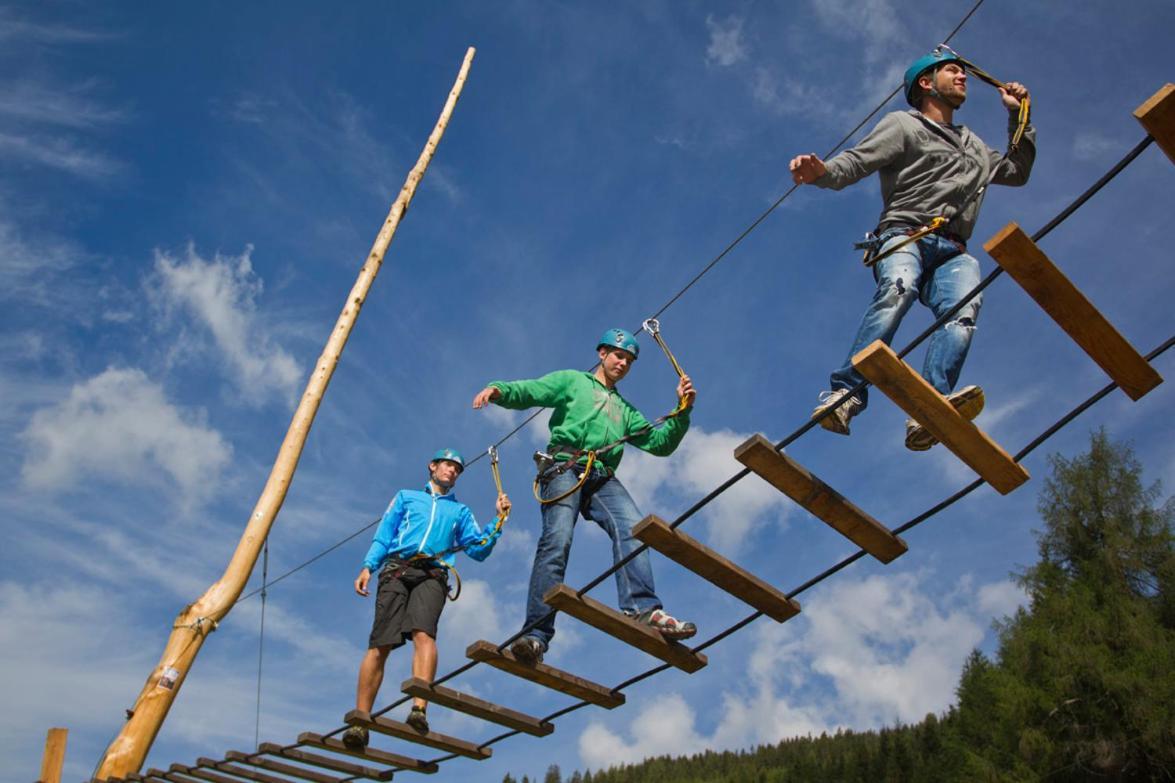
point(128, 751)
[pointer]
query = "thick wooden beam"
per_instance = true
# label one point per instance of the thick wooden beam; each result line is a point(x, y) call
point(915, 396)
point(326, 762)
point(719, 571)
point(624, 628)
point(53, 758)
point(471, 705)
point(369, 753)
point(1047, 284)
point(822, 501)
point(282, 769)
point(1157, 116)
point(547, 676)
point(394, 728)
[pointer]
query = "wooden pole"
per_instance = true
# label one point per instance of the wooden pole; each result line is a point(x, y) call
point(54, 758)
point(128, 751)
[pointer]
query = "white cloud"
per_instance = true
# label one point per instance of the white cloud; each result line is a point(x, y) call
point(875, 22)
point(1001, 599)
point(726, 46)
point(474, 615)
point(60, 153)
point(120, 425)
point(29, 268)
point(664, 726)
point(220, 294)
point(1092, 145)
point(703, 460)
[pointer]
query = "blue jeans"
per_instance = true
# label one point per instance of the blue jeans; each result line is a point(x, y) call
point(605, 501)
point(933, 271)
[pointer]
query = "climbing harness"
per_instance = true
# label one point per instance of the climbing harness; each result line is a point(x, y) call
point(872, 243)
point(548, 466)
point(438, 558)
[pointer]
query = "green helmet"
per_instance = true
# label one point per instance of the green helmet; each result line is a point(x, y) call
point(452, 455)
point(620, 338)
point(938, 57)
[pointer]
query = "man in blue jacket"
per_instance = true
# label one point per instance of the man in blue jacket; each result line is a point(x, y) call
point(416, 542)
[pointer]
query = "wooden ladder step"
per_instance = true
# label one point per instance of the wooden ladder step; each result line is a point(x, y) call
point(822, 501)
point(547, 676)
point(394, 728)
point(920, 400)
point(204, 775)
point(478, 708)
point(624, 628)
point(710, 565)
point(1039, 276)
point(326, 762)
point(281, 768)
point(240, 772)
point(369, 753)
point(153, 775)
point(1157, 115)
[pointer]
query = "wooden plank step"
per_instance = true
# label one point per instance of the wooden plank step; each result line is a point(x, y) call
point(241, 772)
point(203, 774)
point(172, 777)
point(710, 565)
point(154, 775)
point(1157, 115)
point(282, 769)
point(326, 762)
point(394, 728)
point(624, 628)
point(915, 396)
point(369, 753)
point(1047, 284)
point(547, 676)
point(822, 501)
point(471, 705)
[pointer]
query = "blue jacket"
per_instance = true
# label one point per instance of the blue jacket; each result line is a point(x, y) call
point(419, 522)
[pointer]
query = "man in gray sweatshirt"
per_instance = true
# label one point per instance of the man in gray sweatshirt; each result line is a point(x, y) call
point(929, 168)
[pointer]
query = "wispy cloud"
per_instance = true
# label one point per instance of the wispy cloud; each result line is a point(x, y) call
point(726, 41)
point(220, 295)
point(29, 268)
point(16, 31)
point(33, 101)
point(61, 154)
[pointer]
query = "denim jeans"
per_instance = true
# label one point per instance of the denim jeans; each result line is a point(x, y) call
point(605, 501)
point(933, 271)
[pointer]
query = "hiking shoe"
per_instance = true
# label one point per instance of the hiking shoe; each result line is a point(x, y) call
point(355, 738)
point(528, 650)
point(968, 401)
point(669, 626)
point(418, 720)
point(838, 420)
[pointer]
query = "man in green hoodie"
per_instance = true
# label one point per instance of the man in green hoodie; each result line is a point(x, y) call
point(588, 415)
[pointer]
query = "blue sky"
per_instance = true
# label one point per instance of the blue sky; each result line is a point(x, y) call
point(187, 193)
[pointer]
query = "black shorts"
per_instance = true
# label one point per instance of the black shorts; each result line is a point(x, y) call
point(411, 602)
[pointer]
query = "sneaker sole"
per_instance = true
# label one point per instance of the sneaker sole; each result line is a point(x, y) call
point(524, 653)
point(968, 402)
point(831, 422)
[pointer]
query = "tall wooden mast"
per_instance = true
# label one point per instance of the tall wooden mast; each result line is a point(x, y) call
point(128, 751)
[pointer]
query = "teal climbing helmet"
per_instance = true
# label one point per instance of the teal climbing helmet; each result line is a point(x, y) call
point(620, 338)
point(452, 455)
point(923, 64)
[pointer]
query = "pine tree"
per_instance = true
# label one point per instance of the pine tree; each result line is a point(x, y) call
point(553, 775)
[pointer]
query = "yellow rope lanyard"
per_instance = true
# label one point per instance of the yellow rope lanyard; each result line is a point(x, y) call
point(498, 522)
point(869, 259)
point(653, 327)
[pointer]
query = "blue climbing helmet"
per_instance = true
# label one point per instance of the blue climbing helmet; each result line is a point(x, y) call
point(934, 60)
point(452, 455)
point(620, 338)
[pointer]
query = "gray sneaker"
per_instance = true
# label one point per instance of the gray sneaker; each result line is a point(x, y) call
point(838, 420)
point(417, 719)
point(968, 401)
point(355, 738)
point(528, 650)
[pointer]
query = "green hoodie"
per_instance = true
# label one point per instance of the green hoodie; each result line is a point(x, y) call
point(588, 415)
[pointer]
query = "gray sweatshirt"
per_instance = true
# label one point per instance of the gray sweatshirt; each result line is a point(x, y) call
point(926, 170)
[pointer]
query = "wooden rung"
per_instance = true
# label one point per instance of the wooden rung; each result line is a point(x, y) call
point(1039, 276)
point(915, 396)
point(822, 501)
point(471, 705)
point(394, 728)
point(241, 772)
point(174, 777)
point(710, 565)
point(547, 676)
point(280, 768)
point(369, 753)
point(1157, 116)
point(205, 775)
point(624, 628)
point(326, 762)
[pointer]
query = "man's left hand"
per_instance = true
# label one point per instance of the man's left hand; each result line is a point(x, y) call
point(686, 391)
point(1011, 94)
